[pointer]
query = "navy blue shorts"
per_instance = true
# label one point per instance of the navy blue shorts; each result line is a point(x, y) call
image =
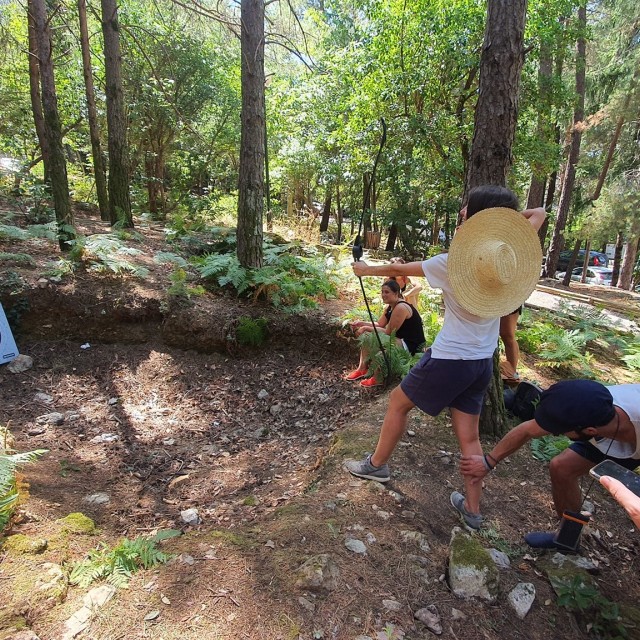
point(593, 454)
point(434, 384)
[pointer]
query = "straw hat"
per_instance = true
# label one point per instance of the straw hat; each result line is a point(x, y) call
point(494, 262)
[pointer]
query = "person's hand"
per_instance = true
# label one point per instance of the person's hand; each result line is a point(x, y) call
point(629, 500)
point(359, 267)
point(356, 324)
point(473, 467)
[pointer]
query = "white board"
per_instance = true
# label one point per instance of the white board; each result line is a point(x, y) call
point(8, 348)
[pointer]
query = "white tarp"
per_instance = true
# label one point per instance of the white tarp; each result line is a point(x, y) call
point(8, 348)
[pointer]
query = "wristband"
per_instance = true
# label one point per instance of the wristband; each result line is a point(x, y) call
point(495, 462)
point(486, 463)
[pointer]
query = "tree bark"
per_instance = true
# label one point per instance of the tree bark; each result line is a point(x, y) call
point(326, 210)
point(625, 281)
point(94, 128)
point(53, 130)
point(616, 259)
point(574, 153)
point(119, 197)
point(495, 124)
point(36, 98)
point(251, 175)
point(497, 108)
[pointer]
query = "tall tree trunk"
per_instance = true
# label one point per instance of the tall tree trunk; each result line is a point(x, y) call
point(625, 281)
point(616, 259)
point(326, 209)
point(119, 197)
point(574, 153)
point(53, 130)
point(392, 237)
point(497, 108)
point(338, 213)
point(495, 124)
point(94, 129)
point(36, 98)
point(251, 175)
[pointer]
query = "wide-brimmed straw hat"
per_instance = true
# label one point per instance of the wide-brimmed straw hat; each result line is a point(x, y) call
point(494, 262)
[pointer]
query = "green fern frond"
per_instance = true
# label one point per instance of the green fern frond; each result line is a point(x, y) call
point(9, 232)
point(166, 257)
point(17, 258)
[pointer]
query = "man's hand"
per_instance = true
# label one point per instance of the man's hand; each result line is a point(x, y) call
point(474, 468)
point(359, 267)
point(624, 496)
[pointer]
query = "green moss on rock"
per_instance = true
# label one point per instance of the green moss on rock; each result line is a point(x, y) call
point(19, 544)
point(78, 523)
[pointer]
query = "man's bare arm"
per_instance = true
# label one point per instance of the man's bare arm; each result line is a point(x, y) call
point(361, 268)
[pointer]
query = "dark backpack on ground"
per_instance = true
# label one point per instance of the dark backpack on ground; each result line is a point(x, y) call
point(522, 401)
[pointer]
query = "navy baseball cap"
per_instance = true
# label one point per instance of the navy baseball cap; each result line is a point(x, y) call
point(572, 405)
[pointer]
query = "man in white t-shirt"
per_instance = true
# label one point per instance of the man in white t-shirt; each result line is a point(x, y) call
point(604, 424)
point(455, 372)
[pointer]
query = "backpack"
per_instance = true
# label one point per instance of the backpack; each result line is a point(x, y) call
point(523, 401)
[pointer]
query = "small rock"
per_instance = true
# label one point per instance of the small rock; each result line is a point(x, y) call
point(42, 283)
point(86, 345)
point(190, 516)
point(521, 598)
point(152, 615)
point(419, 538)
point(396, 496)
point(391, 605)
point(185, 558)
point(385, 515)
point(371, 539)
point(54, 418)
point(24, 634)
point(501, 559)
point(409, 515)
point(429, 616)
point(167, 442)
point(262, 394)
point(456, 614)
point(307, 604)
point(357, 546)
point(411, 433)
point(318, 573)
point(275, 409)
point(20, 364)
point(45, 398)
point(270, 543)
point(105, 437)
point(113, 401)
point(36, 431)
point(97, 498)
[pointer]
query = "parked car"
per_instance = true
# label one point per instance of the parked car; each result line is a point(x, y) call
point(595, 275)
point(596, 259)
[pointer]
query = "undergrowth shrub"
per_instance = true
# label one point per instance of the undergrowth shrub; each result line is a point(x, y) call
point(105, 253)
point(548, 447)
point(398, 360)
point(11, 489)
point(252, 332)
point(117, 565)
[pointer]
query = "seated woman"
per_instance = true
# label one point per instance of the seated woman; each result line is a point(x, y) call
point(399, 316)
point(410, 295)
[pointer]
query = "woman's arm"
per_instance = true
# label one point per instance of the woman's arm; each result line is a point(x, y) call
point(535, 216)
point(361, 268)
point(399, 314)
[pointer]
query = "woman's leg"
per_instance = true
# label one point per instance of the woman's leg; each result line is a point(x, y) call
point(508, 335)
point(466, 428)
point(393, 426)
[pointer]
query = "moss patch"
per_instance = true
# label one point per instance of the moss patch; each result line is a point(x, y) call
point(20, 544)
point(78, 523)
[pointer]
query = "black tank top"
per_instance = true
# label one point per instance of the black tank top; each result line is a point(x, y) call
point(411, 330)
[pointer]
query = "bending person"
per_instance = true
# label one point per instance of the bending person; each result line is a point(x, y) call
point(399, 316)
point(508, 325)
point(456, 371)
point(603, 423)
point(411, 296)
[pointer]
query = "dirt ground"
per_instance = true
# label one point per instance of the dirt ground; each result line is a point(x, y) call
point(254, 440)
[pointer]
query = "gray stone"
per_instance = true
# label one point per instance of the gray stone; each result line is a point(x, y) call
point(319, 573)
point(501, 559)
point(94, 600)
point(307, 604)
point(45, 398)
point(521, 598)
point(391, 605)
point(97, 498)
point(456, 614)
point(275, 409)
point(262, 394)
point(23, 634)
point(472, 571)
point(429, 616)
point(20, 364)
point(579, 562)
point(51, 418)
point(105, 437)
point(190, 516)
point(355, 545)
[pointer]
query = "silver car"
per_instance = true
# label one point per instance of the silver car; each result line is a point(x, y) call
point(594, 275)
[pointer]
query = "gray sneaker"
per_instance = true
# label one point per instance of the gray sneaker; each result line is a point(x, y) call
point(364, 469)
point(473, 520)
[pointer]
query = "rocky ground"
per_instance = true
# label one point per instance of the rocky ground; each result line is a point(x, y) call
point(149, 427)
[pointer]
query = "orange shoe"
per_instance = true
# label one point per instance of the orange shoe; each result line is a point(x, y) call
point(356, 375)
point(370, 382)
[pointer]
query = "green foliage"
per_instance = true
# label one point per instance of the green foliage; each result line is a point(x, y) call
point(9, 462)
point(117, 565)
point(17, 258)
point(288, 281)
point(548, 447)
point(252, 332)
point(584, 598)
point(179, 287)
point(632, 355)
point(104, 253)
point(398, 358)
point(166, 257)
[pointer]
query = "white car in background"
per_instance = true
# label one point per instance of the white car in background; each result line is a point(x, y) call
point(594, 275)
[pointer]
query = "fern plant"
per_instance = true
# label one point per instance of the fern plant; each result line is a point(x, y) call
point(251, 332)
point(399, 359)
point(632, 355)
point(117, 565)
point(9, 489)
point(104, 253)
point(548, 447)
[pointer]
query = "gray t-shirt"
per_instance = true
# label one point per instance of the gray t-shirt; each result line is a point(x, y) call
point(463, 336)
point(627, 397)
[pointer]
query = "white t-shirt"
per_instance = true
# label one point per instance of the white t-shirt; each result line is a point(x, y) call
point(627, 397)
point(463, 336)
